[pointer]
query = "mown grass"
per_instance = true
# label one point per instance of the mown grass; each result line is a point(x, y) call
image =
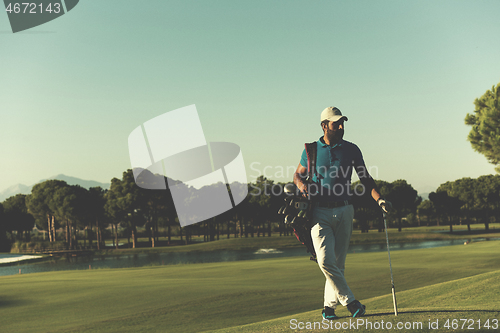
point(202, 297)
point(465, 304)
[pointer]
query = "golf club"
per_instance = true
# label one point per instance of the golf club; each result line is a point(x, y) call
point(390, 266)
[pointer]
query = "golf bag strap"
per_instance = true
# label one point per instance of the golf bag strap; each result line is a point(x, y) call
point(304, 236)
point(311, 151)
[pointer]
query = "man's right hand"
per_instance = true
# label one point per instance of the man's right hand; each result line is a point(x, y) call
point(303, 189)
point(298, 177)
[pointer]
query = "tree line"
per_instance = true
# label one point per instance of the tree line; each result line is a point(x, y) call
point(100, 214)
point(464, 201)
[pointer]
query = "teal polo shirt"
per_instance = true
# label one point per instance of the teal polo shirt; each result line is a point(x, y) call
point(334, 167)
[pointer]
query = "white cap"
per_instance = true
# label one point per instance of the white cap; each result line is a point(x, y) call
point(332, 113)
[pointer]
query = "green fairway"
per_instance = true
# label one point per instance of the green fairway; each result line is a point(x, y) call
point(431, 284)
point(470, 303)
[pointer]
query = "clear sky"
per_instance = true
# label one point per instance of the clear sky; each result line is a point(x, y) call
point(260, 72)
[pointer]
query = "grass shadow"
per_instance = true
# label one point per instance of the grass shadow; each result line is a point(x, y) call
point(10, 302)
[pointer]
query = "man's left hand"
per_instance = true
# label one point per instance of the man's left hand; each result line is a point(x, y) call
point(385, 205)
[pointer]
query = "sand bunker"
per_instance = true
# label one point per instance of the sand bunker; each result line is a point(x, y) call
point(4, 260)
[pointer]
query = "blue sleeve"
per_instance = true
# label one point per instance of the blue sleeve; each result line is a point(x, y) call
point(303, 159)
point(362, 171)
point(358, 157)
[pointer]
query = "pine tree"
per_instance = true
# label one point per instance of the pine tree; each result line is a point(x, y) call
point(485, 121)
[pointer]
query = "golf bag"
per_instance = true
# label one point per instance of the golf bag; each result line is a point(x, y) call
point(297, 209)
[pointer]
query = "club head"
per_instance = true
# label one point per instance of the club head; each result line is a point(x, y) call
point(290, 189)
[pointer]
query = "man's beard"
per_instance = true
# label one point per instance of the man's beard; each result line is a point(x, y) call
point(334, 136)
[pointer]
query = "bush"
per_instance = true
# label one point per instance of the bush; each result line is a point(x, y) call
point(37, 246)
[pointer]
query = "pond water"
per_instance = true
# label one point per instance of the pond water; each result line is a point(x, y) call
point(172, 258)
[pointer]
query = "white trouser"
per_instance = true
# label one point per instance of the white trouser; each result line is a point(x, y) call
point(331, 235)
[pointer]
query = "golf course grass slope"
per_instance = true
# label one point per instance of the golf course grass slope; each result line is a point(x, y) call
point(465, 304)
point(454, 282)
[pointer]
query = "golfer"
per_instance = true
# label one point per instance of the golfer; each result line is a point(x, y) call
point(333, 212)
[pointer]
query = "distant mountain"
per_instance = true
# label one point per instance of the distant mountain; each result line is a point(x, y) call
point(77, 181)
point(13, 190)
point(23, 189)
